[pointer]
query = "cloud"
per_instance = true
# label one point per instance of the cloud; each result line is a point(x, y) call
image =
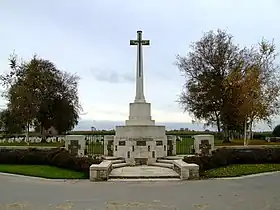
point(112, 76)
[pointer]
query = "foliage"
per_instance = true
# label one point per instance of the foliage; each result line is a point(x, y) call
point(227, 86)
point(205, 70)
point(228, 156)
point(52, 157)
point(10, 123)
point(40, 94)
point(276, 131)
point(241, 170)
point(44, 171)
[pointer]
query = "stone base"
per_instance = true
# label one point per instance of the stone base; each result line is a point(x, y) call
point(186, 170)
point(140, 114)
point(142, 142)
point(100, 172)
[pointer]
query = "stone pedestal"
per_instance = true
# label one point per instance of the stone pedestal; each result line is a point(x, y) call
point(204, 144)
point(139, 114)
point(140, 144)
point(76, 144)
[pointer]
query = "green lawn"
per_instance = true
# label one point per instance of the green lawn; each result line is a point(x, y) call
point(184, 146)
point(44, 171)
point(237, 142)
point(241, 170)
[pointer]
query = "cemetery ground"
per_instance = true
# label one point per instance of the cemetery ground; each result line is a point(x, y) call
point(237, 170)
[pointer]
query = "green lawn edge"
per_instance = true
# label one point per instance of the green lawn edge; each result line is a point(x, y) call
point(42, 171)
point(238, 170)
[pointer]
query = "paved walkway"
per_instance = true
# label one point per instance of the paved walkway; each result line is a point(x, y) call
point(143, 171)
point(256, 193)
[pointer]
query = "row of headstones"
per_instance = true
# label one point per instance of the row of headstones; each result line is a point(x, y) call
point(54, 139)
point(32, 139)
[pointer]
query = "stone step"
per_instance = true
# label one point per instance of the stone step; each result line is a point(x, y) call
point(164, 165)
point(164, 161)
point(143, 177)
point(119, 165)
point(118, 161)
point(112, 158)
point(143, 172)
point(173, 157)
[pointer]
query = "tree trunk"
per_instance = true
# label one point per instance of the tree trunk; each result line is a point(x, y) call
point(226, 135)
point(245, 133)
point(218, 126)
point(27, 134)
point(251, 129)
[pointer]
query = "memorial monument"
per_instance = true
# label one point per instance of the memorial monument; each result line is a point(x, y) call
point(140, 141)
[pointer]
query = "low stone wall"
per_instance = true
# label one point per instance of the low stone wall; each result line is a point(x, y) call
point(186, 170)
point(100, 172)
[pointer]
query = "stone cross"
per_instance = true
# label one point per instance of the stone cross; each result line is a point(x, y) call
point(139, 73)
point(205, 147)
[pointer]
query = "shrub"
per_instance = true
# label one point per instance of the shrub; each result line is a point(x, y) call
point(276, 131)
point(262, 135)
point(54, 157)
point(227, 156)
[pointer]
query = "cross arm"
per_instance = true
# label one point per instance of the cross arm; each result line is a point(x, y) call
point(145, 42)
point(133, 42)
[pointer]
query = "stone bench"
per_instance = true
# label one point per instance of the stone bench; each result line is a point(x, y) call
point(186, 170)
point(101, 171)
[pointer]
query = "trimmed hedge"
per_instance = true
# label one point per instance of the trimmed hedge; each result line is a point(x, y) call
point(227, 156)
point(54, 157)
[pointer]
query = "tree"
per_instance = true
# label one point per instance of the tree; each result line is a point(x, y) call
point(205, 69)
point(51, 115)
point(34, 86)
point(10, 123)
point(227, 86)
point(260, 91)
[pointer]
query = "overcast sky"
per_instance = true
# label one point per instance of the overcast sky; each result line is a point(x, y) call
point(91, 38)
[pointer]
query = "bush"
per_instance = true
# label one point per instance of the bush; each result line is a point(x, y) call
point(262, 135)
point(54, 157)
point(276, 131)
point(227, 156)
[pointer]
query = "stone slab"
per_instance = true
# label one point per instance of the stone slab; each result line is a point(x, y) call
point(143, 171)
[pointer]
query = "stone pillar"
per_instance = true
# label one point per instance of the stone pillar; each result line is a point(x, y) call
point(171, 146)
point(76, 144)
point(204, 144)
point(108, 147)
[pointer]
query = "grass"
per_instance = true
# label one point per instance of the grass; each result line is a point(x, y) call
point(50, 144)
point(241, 170)
point(43, 171)
point(240, 142)
point(184, 146)
point(95, 148)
